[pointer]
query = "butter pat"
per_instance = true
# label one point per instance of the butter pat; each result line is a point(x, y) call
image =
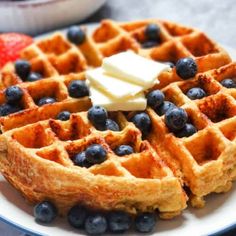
point(111, 86)
point(137, 103)
point(134, 68)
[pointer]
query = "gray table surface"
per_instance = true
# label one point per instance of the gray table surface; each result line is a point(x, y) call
point(215, 17)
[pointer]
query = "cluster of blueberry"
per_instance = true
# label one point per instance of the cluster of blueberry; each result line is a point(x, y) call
point(175, 118)
point(98, 116)
point(13, 94)
point(76, 89)
point(198, 93)
point(96, 223)
point(186, 67)
point(95, 153)
point(23, 70)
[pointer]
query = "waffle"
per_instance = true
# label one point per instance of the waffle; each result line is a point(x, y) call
point(140, 181)
point(206, 160)
point(176, 42)
point(59, 62)
point(151, 178)
point(55, 58)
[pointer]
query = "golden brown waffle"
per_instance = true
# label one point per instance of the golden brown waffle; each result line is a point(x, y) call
point(36, 158)
point(55, 57)
point(206, 161)
point(140, 181)
point(177, 41)
point(59, 62)
point(56, 87)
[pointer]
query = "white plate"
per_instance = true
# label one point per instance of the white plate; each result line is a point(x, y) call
point(37, 16)
point(218, 214)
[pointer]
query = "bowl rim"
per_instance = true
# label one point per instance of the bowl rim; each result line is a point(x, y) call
point(6, 3)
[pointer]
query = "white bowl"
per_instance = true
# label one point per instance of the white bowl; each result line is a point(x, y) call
point(37, 16)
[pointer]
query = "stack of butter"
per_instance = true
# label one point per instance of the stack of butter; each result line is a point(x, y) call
point(119, 84)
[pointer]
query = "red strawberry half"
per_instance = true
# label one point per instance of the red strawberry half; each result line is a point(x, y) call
point(10, 46)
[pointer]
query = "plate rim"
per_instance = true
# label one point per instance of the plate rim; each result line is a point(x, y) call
point(26, 230)
point(20, 227)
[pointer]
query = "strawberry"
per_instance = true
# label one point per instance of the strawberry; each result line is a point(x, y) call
point(10, 46)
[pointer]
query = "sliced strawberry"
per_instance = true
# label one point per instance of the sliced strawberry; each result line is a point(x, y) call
point(10, 46)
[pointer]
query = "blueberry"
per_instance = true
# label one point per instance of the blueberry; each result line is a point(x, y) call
point(145, 222)
point(34, 76)
point(45, 212)
point(152, 32)
point(97, 115)
point(95, 154)
point(6, 109)
point(143, 122)
point(96, 224)
point(108, 125)
point(150, 44)
point(46, 100)
point(100, 126)
point(186, 131)
point(124, 150)
point(76, 216)
point(112, 125)
point(76, 35)
point(155, 98)
point(63, 115)
point(22, 68)
point(80, 160)
point(119, 221)
point(228, 83)
point(176, 119)
point(13, 94)
point(196, 93)
point(186, 68)
point(166, 106)
point(78, 89)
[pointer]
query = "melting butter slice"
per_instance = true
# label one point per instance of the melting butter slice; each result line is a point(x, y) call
point(137, 103)
point(111, 86)
point(134, 68)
